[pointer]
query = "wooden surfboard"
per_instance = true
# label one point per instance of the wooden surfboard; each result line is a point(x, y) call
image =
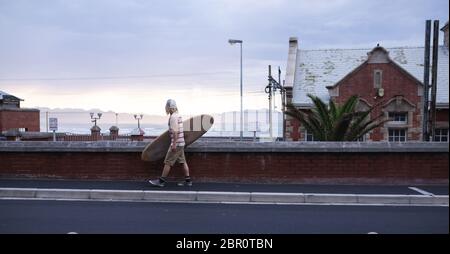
point(193, 128)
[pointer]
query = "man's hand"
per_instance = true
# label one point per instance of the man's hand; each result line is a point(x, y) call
point(173, 148)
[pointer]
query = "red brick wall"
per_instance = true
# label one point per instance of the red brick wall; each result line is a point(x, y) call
point(292, 129)
point(11, 119)
point(394, 82)
point(293, 132)
point(239, 167)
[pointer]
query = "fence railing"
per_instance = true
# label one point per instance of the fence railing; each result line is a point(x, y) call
point(101, 137)
point(61, 136)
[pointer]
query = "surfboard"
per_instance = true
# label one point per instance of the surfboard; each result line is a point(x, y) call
point(193, 128)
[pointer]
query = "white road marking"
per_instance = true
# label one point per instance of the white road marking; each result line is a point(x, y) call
point(421, 191)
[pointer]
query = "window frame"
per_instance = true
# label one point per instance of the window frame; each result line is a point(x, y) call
point(363, 138)
point(306, 134)
point(377, 76)
point(397, 114)
point(440, 135)
point(397, 136)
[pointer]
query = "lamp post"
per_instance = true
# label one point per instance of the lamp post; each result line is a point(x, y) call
point(94, 119)
point(139, 118)
point(95, 130)
point(232, 42)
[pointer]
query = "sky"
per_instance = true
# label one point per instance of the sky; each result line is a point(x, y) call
point(132, 55)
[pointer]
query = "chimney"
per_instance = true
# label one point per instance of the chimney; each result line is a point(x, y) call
point(292, 59)
point(445, 30)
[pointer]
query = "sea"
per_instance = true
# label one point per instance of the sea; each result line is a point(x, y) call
point(255, 124)
point(231, 130)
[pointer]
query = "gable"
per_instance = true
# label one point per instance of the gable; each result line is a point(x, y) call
point(317, 69)
point(378, 57)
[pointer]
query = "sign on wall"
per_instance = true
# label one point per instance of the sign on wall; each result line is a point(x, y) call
point(53, 124)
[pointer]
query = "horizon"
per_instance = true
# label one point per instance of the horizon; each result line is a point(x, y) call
point(225, 123)
point(96, 110)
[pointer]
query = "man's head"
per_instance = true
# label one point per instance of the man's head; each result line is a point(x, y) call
point(171, 106)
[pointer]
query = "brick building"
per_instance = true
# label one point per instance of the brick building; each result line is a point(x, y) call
point(445, 30)
point(12, 117)
point(391, 77)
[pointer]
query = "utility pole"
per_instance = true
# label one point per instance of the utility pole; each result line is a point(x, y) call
point(46, 120)
point(434, 77)
point(269, 91)
point(426, 83)
point(273, 86)
point(283, 101)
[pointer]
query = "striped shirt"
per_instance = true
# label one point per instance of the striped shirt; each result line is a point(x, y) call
point(176, 124)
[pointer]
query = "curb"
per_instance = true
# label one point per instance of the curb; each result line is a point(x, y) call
point(220, 197)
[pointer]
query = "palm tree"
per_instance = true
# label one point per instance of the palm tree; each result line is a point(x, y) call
point(335, 122)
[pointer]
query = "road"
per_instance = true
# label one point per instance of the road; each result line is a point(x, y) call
point(61, 217)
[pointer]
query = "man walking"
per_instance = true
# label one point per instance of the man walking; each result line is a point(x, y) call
point(176, 149)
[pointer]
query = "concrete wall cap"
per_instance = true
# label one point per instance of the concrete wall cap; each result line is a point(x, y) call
point(229, 147)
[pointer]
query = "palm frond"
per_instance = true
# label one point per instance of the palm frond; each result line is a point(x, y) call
point(321, 111)
point(334, 122)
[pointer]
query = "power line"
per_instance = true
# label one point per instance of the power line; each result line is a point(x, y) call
point(118, 77)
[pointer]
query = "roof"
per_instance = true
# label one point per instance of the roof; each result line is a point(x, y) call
point(317, 69)
point(7, 94)
point(445, 27)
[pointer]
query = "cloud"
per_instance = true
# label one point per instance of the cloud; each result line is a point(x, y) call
point(109, 38)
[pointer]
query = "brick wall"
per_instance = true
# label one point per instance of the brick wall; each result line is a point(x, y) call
point(287, 167)
point(19, 118)
point(396, 84)
point(292, 131)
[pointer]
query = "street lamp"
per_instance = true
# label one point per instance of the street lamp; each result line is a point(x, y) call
point(139, 118)
point(94, 119)
point(232, 42)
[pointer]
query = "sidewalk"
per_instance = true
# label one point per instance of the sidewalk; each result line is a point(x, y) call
point(225, 192)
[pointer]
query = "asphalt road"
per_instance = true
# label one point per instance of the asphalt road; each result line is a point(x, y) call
point(61, 217)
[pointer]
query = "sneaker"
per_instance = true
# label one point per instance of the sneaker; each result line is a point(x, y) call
point(185, 183)
point(157, 183)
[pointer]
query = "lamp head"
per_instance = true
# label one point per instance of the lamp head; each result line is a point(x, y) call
point(232, 41)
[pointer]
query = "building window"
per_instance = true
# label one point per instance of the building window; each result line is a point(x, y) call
point(308, 136)
point(363, 138)
point(398, 117)
point(441, 135)
point(397, 135)
point(377, 78)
